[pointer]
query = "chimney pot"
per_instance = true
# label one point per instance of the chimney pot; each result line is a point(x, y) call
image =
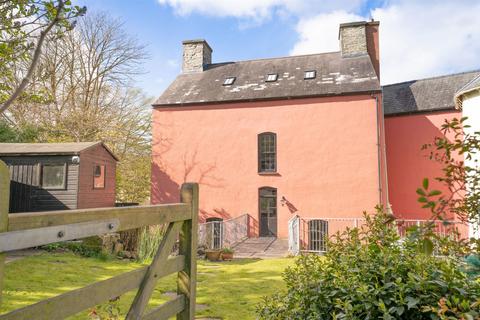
point(360, 38)
point(197, 54)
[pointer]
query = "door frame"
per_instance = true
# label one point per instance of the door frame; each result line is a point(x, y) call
point(268, 218)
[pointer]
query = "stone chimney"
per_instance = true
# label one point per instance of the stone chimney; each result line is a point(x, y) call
point(197, 54)
point(359, 38)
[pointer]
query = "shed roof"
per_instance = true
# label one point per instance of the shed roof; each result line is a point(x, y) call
point(335, 75)
point(430, 94)
point(66, 148)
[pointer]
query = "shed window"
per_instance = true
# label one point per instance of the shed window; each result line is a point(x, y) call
point(54, 176)
point(99, 176)
point(267, 152)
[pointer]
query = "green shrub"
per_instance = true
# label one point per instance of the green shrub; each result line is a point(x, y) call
point(371, 274)
point(78, 247)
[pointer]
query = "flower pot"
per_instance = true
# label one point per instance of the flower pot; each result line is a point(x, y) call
point(213, 255)
point(227, 256)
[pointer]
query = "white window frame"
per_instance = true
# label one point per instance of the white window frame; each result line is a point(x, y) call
point(271, 77)
point(229, 81)
point(310, 74)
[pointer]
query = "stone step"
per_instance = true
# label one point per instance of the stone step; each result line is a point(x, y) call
point(263, 247)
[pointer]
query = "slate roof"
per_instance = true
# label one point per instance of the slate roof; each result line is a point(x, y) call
point(472, 85)
point(431, 94)
point(334, 76)
point(68, 148)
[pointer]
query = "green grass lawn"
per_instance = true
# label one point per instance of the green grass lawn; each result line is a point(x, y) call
point(227, 290)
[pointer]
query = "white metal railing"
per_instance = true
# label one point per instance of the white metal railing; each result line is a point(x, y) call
point(311, 234)
point(293, 235)
point(442, 228)
point(223, 233)
point(235, 230)
point(210, 234)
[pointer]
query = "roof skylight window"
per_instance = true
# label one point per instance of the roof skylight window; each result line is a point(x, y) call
point(310, 74)
point(229, 81)
point(271, 77)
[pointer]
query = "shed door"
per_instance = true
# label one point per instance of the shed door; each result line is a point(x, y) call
point(23, 186)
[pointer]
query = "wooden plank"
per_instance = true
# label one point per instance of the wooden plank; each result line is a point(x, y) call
point(4, 203)
point(148, 284)
point(166, 310)
point(72, 302)
point(22, 239)
point(187, 278)
point(129, 217)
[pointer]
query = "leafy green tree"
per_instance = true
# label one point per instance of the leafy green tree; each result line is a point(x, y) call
point(24, 26)
point(462, 181)
point(83, 89)
point(369, 273)
point(9, 133)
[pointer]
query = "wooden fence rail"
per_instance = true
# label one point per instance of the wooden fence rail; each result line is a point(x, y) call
point(24, 230)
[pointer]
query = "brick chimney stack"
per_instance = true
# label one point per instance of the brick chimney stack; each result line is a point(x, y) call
point(359, 38)
point(197, 54)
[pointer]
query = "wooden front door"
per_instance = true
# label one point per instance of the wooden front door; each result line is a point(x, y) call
point(268, 212)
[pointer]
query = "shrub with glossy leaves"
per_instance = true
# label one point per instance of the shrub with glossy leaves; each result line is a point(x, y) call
point(370, 273)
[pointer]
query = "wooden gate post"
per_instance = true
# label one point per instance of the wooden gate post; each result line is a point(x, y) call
point(187, 278)
point(4, 204)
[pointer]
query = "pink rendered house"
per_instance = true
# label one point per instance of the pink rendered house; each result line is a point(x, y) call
point(275, 138)
point(295, 137)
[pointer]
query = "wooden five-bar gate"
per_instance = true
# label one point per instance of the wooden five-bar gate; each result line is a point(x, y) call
point(25, 230)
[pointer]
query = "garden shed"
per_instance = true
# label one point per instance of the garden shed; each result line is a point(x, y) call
point(59, 176)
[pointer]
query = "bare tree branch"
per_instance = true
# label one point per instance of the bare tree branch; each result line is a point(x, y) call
point(35, 59)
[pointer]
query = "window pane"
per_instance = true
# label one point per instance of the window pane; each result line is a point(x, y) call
point(268, 192)
point(263, 204)
point(229, 81)
point(53, 176)
point(310, 74)
point(272, 77)
point(267, 152)
point(99, 176)
point(268, 201)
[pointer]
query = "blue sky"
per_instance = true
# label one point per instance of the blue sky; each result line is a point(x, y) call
point(418, 38)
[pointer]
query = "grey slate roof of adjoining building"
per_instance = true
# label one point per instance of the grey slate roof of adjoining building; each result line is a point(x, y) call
point(473, 84)
point(431, 94)
point(334, 76)
point(67, 148)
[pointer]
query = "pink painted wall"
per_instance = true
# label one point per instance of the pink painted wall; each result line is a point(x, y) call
point(326, 152)
point(408, 164)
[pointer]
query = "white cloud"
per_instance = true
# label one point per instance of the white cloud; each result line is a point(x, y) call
point(423, 39)
point(417, 39)
point(320, 33)
point(258, 9)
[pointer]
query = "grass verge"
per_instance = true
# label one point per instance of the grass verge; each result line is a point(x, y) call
point(226, 290)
